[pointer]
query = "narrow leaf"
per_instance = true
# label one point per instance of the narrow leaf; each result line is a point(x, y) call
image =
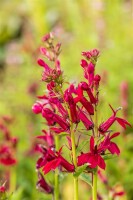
point(86, 178)
point(79, 170)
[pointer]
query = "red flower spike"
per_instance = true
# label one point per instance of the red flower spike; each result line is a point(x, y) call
point(42, 185)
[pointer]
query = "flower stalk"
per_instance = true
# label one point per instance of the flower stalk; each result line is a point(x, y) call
point(94, 188)
point(56, 184)
point(75, 164)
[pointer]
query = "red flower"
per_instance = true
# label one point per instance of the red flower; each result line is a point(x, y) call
point(91, 55)
point(72, 106)
point(53, 118)
point(42, 185)
point(97, 79)
point(37, 108)
point(49, 74)
point(2, 189)
point(93, 158)
point(87, 123)
point(6, 157)
point(57, 160)
point(108, 123)
point(85, 87)
point(47, 137)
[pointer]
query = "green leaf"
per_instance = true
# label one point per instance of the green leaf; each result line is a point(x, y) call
point(81, 146)
point(79, 170)
point(63, 134)
point(86, 178)
point(109, 156)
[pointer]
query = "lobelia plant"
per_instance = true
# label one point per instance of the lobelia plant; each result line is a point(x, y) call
point(72, 113)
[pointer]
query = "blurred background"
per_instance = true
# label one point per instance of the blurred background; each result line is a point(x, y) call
point(79, 25)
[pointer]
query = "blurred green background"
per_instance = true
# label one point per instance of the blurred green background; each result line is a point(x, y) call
point(79, 25)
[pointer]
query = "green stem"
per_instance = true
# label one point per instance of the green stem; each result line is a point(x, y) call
point(73, 148)
point(12, 183)
point(75, 164)
point(56, 184)
point(94, 188)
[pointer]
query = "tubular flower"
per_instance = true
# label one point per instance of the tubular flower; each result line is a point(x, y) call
point(37, 108)
point(97, 79)
point(50, 74)
point(57, 160)
point(87, 123)
point(87, 105)
point(72, 106)
point(107, 144)
point(57, 102)
point(93, 158)
point(53, 118)
point(47, 137)
point(103, 128)
point(42, 185)
point(85, 87)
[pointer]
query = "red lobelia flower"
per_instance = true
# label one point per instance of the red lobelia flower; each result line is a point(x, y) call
point(103, 128)
point(42, 185)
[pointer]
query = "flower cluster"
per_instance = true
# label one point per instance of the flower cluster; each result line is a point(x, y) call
point(7, 144)
point(67, 110)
